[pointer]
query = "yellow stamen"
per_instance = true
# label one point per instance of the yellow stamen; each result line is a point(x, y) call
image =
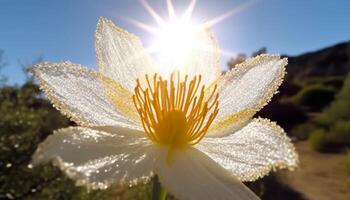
point(175, 113)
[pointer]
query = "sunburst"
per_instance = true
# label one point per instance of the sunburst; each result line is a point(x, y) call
point(176, 37)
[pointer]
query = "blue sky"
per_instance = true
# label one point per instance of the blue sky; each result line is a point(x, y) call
point(64, 30)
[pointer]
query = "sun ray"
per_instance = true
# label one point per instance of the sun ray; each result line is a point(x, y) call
point(171, 10)
point(146, 27)
point(229, 13)
point(189, 10)
point(152, 12)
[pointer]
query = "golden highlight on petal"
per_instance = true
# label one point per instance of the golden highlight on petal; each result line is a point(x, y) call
point(120, 97)
point(176, 113)
point(224, 126)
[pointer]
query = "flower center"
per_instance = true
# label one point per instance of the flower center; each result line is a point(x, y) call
point(178, 112)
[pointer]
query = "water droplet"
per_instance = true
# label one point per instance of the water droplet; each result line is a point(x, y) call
point(30, 166)
point(8, 165)
point(16, 146)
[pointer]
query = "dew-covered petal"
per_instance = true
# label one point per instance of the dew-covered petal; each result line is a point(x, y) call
point(97, 158)
point(191, 175)
point(245, 90)
point(84, 95)
point(121, 55)
point(253, 151)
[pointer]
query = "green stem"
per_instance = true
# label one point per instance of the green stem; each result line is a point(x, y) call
point(158, 192)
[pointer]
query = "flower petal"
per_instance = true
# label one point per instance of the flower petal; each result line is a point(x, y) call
point(245, 90)
point(97, 158)
point(82, 94)
point(205, 58)
point(121, 55)
point(192, 175)
point(253, 151)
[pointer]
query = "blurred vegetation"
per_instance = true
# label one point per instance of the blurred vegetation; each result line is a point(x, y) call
point(314, 97)
point(335, 120)
point(340, 108)
point(347, 163)
point(241, 57)
point(319, 139)
point(3, 63)
point(303, 131)
point(236, 60)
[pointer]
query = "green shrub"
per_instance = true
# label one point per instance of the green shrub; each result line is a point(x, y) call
point(340, 108)
point(336, 118)
point(314, 97)
point(319, 140)
point(340, 133)
point(303, 131)
point(335, 82)
point(347, 163)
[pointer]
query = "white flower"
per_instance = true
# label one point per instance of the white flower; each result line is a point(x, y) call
point(201, 142)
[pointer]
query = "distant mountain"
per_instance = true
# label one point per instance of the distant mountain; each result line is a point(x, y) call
point(330, 61)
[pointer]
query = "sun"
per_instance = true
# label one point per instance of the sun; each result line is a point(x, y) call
point(176, 38)
point(175, 41)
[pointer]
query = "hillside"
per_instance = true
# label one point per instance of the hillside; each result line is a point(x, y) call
point(330, 61)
